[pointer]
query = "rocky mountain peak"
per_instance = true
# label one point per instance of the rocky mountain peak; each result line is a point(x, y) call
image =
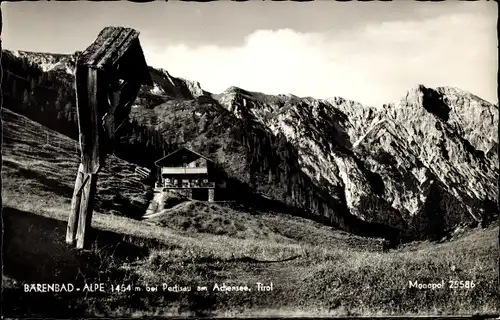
point(233, 90)
point(472, 118)
point(393, 162)
point(174, 87)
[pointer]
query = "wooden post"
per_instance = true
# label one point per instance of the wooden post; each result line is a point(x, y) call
point(75, 207)
point(89, 115)
point(116, 54)
point(86, 210)
point(89, 88)
point(211, 194)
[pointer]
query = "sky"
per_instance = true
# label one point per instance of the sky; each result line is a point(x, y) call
point(368, 52)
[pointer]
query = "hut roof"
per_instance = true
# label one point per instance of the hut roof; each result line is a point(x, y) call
point(181, 155)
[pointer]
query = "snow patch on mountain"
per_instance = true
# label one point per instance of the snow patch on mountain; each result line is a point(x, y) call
point(157, 90)
point(47, 61)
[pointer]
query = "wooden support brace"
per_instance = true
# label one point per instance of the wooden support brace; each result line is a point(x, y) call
point(79, 192)
point(86, 208)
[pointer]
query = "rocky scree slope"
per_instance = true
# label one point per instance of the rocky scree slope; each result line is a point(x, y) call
point(417, 168)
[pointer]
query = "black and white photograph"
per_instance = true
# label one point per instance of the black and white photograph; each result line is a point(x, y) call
point(261, 159)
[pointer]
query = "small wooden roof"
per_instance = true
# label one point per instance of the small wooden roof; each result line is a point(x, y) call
point(119, 49)
point(179, 156)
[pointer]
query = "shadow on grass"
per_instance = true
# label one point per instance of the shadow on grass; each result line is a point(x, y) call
point(120, 205)
point(35, 248)
point(35, 252)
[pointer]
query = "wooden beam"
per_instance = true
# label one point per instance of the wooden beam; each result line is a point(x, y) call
point(75, 208)
point(90, 86)
point(79, 192)
point(89, 91)
point(86, 210)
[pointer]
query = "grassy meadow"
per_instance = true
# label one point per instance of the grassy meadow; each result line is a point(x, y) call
point(315, 270)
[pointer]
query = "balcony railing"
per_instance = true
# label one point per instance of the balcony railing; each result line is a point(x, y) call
point(183, 185)
point(177, 170)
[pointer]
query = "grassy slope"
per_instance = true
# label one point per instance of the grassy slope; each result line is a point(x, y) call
point(200, 244)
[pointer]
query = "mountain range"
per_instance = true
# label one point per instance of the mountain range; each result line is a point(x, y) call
point(414, 169)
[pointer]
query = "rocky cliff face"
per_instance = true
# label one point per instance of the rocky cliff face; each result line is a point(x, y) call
point(422, 166)
point(167, 85)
